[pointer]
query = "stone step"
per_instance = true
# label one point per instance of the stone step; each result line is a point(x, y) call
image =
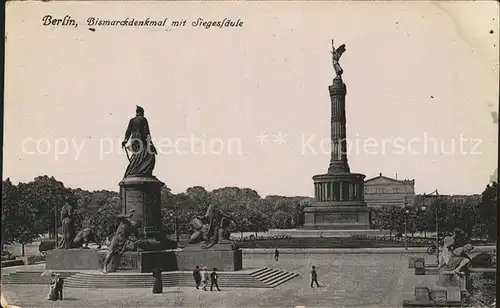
point(282, 279)
point(259, 271)
point(267, 274)
point(273, 275)
point(30, 277)
point(262, 278)
point(259, 274)
point(237, 279)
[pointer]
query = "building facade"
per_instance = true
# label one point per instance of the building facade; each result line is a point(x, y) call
point(382, 190)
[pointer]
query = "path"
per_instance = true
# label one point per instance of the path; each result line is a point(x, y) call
point(347, 280)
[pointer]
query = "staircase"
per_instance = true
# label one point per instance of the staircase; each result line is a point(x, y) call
point(31, 277)
point(262, 278)
point(272, 277)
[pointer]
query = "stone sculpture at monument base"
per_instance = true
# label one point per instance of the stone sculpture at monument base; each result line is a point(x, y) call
point(73, 259)
point(225, 259)
point(146, 261)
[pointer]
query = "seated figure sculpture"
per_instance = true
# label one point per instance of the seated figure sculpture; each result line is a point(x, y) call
point(211, 229)
point(450, 243)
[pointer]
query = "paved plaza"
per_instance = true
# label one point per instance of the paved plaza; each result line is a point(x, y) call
point(353, 280)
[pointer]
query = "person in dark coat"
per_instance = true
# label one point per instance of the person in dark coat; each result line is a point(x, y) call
point(59, 287)
point(213, 280)
point(276, 254)
point(197, 276)
point(158, 283)
point(314, 277)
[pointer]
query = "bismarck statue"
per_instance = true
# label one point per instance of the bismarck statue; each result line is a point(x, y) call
point(139, 189)
point(143, 151)
point(212, 229)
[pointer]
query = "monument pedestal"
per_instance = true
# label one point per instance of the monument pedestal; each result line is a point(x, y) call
point(143, 194)
point(222, 257)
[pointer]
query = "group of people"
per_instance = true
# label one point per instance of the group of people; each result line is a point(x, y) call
point(202, 277)
point(55, 287)
point(456, 253)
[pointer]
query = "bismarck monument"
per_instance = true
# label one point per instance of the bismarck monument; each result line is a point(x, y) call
point(339, 194)
point(140, 191)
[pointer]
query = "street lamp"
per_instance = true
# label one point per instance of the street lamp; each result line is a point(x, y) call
point(406, 226)
point(176, 227)
point(437, 223)
point(407, 212)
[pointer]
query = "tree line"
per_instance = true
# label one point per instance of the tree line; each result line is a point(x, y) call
point(32, 209)
point(477, 219)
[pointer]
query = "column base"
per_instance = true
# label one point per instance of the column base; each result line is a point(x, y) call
point(337, 217)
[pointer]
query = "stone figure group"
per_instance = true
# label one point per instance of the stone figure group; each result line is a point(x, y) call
point(211, 228)
point(125, 230)
point(456, 253)
point(69, 239)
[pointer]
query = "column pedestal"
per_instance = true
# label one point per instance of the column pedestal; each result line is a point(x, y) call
point(343, 207)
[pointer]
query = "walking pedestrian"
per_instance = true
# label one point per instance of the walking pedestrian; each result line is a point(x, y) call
point(276, 254)
point(204, 278)
point(314, 277)
point(59, 287)
point(213, 280)
point(52, 285)
point(197, 276)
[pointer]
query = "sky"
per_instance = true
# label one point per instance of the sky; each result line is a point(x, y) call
point(249, 106)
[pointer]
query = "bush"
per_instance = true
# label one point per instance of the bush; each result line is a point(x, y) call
point(414, 240)
point(12, 263)
point(7, 255)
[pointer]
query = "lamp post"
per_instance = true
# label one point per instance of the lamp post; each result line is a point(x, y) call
point(436, 193)
point(55, 224)
point(407, 212)
point(176, 230)
point(406, 223)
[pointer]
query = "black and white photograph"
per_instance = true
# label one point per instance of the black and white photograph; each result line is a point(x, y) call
point(250, 154)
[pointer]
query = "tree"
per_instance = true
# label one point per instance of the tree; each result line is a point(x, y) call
point(46, 195)
point(391, 218)
point(18, 216)
point(487, 211)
